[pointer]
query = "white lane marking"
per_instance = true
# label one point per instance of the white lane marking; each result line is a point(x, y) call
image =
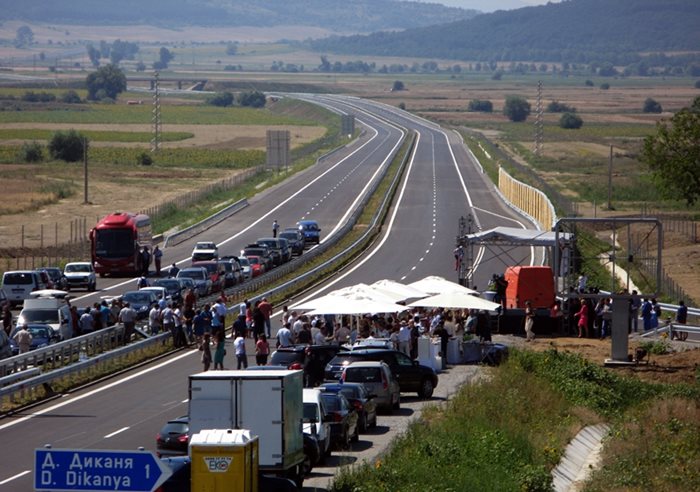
point(95, 391)
point(185, 400)
point(15, 477)
point(117, 432)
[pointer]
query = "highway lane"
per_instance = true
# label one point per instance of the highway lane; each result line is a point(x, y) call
point(127, 414)
point(326, 192)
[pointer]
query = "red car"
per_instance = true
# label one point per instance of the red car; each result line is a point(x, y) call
point(257, 267)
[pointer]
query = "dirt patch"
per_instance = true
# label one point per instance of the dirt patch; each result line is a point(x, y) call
point(679, 366)
point(211, 136)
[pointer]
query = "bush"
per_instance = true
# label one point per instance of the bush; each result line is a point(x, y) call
point(570, 121)
point(254, 99)
point(221, 99)
point(31, 152)
point(144, 159)
point(516, 108)
point(31, 96)
point(651, 106)
point(398, 86)
point(497, 75)
point(67, 146)
point(481, 105)
point(589, 83)
point(70, 97)
point(402, 105)
point(557, 107)
point(605, 86)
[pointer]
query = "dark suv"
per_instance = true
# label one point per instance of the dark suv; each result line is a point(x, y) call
point(311, 358)
point(296, 240)
point(262, 252)
point(411, 375)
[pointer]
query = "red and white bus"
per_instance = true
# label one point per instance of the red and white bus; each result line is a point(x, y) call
point(116, 242)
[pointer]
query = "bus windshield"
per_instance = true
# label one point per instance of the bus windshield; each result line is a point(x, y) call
point(114, 243)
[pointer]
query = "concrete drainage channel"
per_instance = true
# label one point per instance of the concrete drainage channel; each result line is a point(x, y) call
point(581, 457)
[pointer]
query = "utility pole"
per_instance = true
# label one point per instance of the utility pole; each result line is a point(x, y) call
point(155, 119)
point(539, 128)
point(610, 168)
point(85, 172)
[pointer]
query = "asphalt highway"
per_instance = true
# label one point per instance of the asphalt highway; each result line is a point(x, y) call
point(442, 183)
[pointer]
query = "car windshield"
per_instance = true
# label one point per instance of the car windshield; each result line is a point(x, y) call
point(350, 392)
point(205, 246)
point(53, 273)
point(269, 243)
point(40, 315)
point(137, 298)
point(175, 428)
point(254, 260)
point(193, 274)
point(78, 268)
point(363, 375)
point(285, 358)
point(331, 402)
point(243, 262)
point(18, 279)
point(288, 235)
point(311, 412)
point(39, 331)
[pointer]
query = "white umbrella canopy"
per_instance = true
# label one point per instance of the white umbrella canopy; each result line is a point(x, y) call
point(398, 291)
point(363, 290)
point(434, 285)
point(349, 303)
point(456, 300)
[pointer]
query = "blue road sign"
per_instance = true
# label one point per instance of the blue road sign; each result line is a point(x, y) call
point(58, 470)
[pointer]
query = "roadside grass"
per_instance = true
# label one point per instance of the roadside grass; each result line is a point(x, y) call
point(92, 135)
point(507, 432)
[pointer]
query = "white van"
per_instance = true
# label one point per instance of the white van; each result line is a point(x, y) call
point(315, 422)
point(50, 311)
point(19, 284)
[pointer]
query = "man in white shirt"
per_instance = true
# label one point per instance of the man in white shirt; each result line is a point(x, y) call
point(154, 319)
point(127, 316)
point(405, 338)
point(284, 337)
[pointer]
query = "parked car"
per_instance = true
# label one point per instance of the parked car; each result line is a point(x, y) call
point(173, 438)
point(17, 285)
point(45, 279)
point(342, 418)
point(311, 358)
point(411, 375)
point(161, 293)
point(257, 266)
point(279, 248)
point(187, 283)
point(295, 238)
point(3, 298)
point(378, 380)
point(315, 422)
point(310, 230)
point(205, 251)
point(141, 301)
point(5, 345)
point(312, 453)
point(42, 336)
point(80, 275)
point(216, 271)
point(171, 286)
point(359, 397)
point(233, 274)
point(57, 278)
point(245, 267)
point(200, 276)
point(262, 252)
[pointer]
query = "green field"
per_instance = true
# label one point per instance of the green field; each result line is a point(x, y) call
point(93, 135)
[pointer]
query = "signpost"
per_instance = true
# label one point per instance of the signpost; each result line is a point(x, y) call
point(58, 470)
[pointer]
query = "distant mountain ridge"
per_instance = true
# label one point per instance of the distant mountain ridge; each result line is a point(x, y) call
point(361, 16)
point(574, 30)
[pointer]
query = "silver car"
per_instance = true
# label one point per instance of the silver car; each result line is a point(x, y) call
point(378, 380)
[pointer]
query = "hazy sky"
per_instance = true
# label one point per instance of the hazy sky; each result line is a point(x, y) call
point(490, 5)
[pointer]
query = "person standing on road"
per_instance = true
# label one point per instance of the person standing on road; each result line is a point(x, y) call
point(206, 351)
point(157, 258)
point(7, 319)
point(635, 305)
point(262, 350)
point(127, 316)
point(275, 228)
point(167, 317)
point(174, 270)
point(87, 323)
point(220, 351)
point(266, 309)
point(145, 260)
point(239, 346)
point(23, 339)
point(404, 338)
point(154, 319)
point(582, 316)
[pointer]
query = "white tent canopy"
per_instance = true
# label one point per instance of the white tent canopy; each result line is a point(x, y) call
point(363, 290)
point(398, 291)
point(438, 285)
point(456, 300)
point(348, 304)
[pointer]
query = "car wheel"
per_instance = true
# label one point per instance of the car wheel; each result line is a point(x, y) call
point(374, 421)
point(426, 389)
point(92, 287)
point(345, 440)
point(356, 436)
point(397, 403)
point(362, 425)
point(306, 465)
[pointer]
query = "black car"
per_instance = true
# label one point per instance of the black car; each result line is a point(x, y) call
point(342, 418)
point(357, 395)
point(296, 240)
point(141, 301)
point(173, 438)
point(412, 376)
point(171, 286)
point(279, 249)
point(262, 252)
point(56, 276)
point(311, 358)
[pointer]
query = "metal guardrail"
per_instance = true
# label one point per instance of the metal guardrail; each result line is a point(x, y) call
point(676, 327)
point(203, 225)
point(93, 363)
point(66, 352)
point(18, 376)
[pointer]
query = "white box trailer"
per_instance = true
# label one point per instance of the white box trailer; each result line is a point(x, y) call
point(266, 402)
